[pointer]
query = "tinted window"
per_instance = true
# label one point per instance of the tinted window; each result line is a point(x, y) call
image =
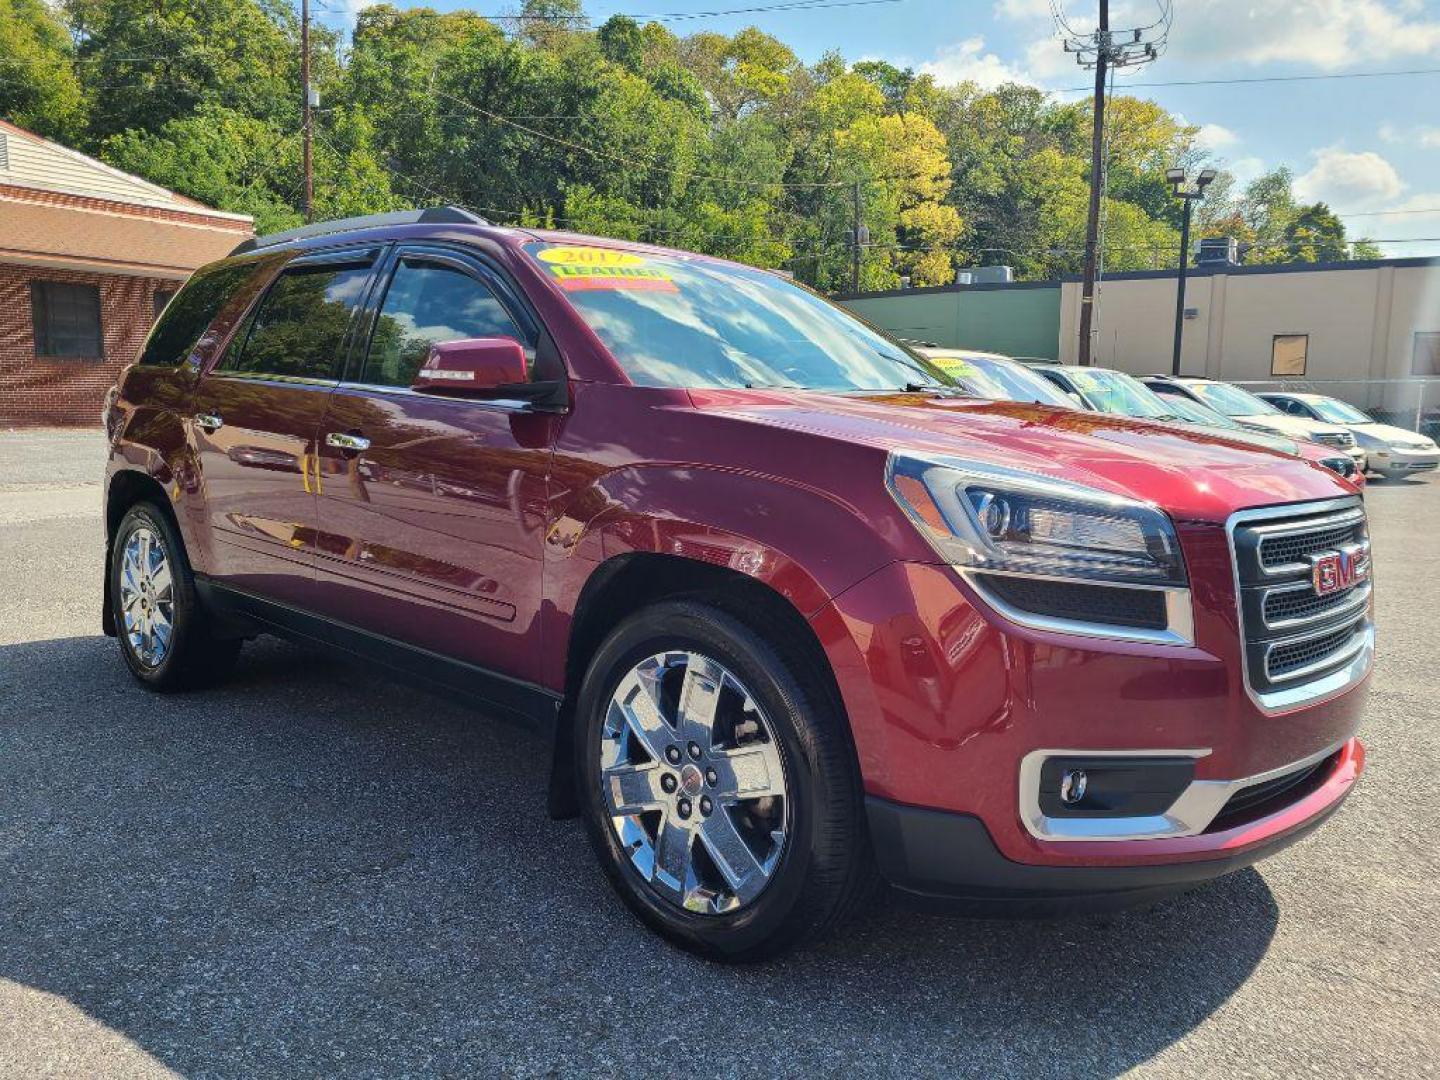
point(67, 319)
point(191, 312)
point(426, 303)
point(299, 326)
point(161, 299)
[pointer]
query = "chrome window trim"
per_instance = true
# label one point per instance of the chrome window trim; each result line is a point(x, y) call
point(1179, 612)
point(502, 404)
point(1190, 814)
point(1327, 686)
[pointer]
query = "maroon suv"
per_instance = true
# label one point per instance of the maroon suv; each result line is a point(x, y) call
point(797, 615)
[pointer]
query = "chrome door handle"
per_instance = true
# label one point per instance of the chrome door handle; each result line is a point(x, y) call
point(208, 422)
point(343, 441)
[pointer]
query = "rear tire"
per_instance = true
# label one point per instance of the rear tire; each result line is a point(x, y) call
point(778, 769)
point(166, 637)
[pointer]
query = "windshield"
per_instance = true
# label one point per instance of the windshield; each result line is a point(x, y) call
point(1231, 400)
point(1118, 393)
point(1195, 413)
point(673, 320)
point(999, 380)
point(1338, 412)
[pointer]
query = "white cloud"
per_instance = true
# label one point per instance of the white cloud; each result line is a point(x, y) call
point(1246, 169)
point(1347, 178)
point(967, 60)
point(1429, 138)
point(1214, 137)
point(1325, 34)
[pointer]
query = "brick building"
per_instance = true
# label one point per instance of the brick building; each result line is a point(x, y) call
point(88, 257)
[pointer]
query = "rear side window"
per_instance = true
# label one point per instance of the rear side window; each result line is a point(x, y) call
point(427, 303)
point(190, 312)
point(299, 326)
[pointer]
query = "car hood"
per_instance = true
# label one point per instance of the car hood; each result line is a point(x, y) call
point(1297, 427)
point(1386, 433)
point(1192, 474)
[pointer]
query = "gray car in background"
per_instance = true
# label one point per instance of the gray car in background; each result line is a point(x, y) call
point(1390, 451)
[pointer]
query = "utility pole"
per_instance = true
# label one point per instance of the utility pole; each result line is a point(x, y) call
point(1191, 195)
point(305, 106)
point(1097, 171)
point(859, 236)
point(1103, 51)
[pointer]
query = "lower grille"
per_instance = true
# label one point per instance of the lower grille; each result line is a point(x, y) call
point(1108, 605)
point(1268, 796)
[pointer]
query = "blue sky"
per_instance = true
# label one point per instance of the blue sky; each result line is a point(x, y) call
point(1369, 147)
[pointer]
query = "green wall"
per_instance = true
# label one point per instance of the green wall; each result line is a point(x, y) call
point(1023, 321)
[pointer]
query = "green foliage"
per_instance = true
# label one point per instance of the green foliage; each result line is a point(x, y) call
point(726, 144)
point(39, 89)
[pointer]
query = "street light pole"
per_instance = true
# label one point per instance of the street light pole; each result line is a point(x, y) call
point(1180, 287)
point(1190, 196)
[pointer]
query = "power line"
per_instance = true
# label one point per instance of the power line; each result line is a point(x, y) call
point(1268, 79)
point(680, 16)
point(622, 159)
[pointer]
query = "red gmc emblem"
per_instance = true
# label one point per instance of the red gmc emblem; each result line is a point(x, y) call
point(1336, 571)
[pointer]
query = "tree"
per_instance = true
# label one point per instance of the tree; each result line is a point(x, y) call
point(1314, 234)
point(39, 89)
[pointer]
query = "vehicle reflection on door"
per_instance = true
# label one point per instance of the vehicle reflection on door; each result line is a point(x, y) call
point(432, 534)
point(257, 468)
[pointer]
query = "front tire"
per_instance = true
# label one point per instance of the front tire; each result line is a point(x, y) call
point(718, 783)
point(165, 634)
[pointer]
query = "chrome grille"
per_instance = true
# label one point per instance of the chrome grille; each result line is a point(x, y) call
point(1292, 548)
point(1298, 603)
point(1339, 438)
point(1292, 634)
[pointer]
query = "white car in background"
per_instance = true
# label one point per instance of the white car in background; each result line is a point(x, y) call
point(1255, 413)
point(1391, 451)
point(999, 378)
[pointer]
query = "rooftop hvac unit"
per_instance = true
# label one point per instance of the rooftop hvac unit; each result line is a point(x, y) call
point(985, 275)
point(1218, 251)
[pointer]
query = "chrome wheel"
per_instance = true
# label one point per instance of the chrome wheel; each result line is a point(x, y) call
point(147, 597)
point(693, 782)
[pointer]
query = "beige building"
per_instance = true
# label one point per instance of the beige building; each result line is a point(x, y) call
point(1341, 321)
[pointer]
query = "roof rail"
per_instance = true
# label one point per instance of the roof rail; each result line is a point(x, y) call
point(430, 215)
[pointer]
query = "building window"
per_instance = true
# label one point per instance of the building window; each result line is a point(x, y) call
point(67, 320)
point(1287, 354)
point(1427, 353)
point(163, 297)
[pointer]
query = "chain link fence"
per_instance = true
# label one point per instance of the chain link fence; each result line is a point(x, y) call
point(1407, 403)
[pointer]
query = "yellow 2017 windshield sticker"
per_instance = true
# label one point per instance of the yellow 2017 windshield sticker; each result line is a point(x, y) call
point(577, 268)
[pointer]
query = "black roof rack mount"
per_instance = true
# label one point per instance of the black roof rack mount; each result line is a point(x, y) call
point(430, 215)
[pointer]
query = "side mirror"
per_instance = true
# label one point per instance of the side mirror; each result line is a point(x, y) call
point(473, 367)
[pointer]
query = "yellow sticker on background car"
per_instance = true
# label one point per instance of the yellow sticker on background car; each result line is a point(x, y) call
point(576, 268)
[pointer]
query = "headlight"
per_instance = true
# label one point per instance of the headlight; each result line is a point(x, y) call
point(1050, 555)
point(1004, 520)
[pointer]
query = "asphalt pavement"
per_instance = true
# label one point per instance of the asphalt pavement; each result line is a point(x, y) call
point(314, 871)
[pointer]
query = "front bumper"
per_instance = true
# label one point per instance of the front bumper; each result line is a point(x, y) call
point(1395, 462)
point(947, 856)
point(947, 698)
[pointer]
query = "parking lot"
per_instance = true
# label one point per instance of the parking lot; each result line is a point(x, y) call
point(312, 870)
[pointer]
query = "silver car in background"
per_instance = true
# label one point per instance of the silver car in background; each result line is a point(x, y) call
point(1390, 451)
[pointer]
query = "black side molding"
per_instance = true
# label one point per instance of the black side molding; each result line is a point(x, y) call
point(534, 707)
